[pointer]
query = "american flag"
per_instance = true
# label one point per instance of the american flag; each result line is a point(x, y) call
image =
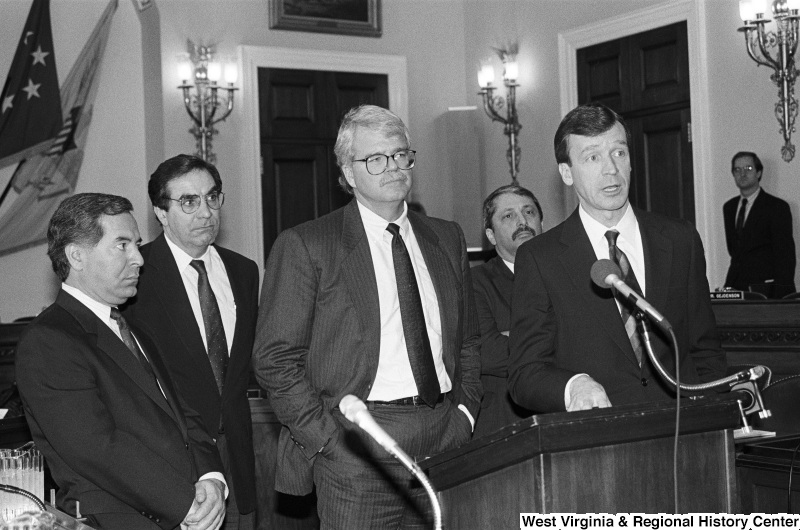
point(30, 103)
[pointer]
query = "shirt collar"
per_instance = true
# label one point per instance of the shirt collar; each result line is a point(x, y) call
point(752, 197)
point(375, 225)
point(182, 259)
point(100, 309)
point(627, 226)
point(509, 265)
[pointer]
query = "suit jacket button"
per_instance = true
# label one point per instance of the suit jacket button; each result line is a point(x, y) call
point(644, 381)
point(221, 430)
point(187, 446)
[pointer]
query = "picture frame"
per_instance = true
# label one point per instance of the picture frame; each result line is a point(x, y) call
point(343, 17)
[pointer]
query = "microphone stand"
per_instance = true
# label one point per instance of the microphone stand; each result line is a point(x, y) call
point(746, 375)
point(420, 475)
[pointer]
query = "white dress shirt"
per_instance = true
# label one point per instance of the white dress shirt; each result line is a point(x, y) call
point(394, 379)
point(220, 285)
point(103, 312)
point(750, 200)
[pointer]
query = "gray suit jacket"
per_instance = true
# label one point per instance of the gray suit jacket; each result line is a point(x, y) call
point(318, 332)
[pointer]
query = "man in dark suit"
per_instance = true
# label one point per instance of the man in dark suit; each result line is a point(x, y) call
point(758, 231)
point(211, 366)
point(99, 401)
point(337, 323)
point(511, 216)
point(573, 345)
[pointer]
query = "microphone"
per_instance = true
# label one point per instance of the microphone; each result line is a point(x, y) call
point(606, 274)
point(356, 411)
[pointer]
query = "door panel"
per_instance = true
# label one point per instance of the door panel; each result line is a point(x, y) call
point(289, 105)
point(645, 78)
point(659, 67)
point(663, 159)
point(600, 74)
point(299, 113)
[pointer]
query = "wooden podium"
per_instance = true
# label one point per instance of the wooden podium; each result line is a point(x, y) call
point(610, 460)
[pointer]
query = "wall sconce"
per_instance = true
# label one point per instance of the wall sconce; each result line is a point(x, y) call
point(201, 65)
point(493, 105)
point(759, 41)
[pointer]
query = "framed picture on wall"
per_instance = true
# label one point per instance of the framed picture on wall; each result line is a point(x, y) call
point(345, 17)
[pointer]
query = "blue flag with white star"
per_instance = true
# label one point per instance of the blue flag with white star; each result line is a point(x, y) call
point(30, 103)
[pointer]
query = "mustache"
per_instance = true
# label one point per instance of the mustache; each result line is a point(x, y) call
point(521, 230)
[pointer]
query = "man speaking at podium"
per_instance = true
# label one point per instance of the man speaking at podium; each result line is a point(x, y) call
point(573, 345)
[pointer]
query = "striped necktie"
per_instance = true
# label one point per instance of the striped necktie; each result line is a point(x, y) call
point(629, 277)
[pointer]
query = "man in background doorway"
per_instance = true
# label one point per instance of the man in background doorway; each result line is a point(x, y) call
point(758, 232)
point(511, 216)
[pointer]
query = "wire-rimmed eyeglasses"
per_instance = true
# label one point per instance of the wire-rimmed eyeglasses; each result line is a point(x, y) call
point(191, 203)
point(742, 170)
point(377, 164)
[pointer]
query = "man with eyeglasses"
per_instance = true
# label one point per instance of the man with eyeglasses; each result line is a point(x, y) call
point(199, 301)
point(373, 300)
point(758, 232)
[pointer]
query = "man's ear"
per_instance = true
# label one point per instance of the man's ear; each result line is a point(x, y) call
point(490, 236)
point(566, 173)
point(76, 255)
point(161, 215)
point(347, 171)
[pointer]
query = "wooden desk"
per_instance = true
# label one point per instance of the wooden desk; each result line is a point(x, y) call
point(761, 332)
point(600, 461)
point(762, 470)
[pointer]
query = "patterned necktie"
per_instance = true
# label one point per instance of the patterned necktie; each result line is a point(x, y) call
point(212, 321)
point(414, 328)
point(629, 277)
point(740, 217)
point(130, 342)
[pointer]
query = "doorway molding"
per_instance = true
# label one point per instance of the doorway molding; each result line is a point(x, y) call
point(251, 58)
point(693, 12)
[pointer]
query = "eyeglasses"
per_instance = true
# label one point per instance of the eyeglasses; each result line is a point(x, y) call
point(742, 170)
point(191, 203)
point(377, 164)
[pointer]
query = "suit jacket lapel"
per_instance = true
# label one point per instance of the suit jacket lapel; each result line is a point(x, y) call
point(172, 296)
point(657, 259)
point(113, 346)
point(444, 282)
point(239, 295)
point(359, 276)
point(577, 261)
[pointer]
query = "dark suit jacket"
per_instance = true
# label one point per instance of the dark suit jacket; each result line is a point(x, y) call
point(563, 324)
point(110, 438)
point(319, 328)
point(494, 283)
point(765, 250)
point(161, 307)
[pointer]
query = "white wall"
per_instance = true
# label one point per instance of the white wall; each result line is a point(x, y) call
point(462, 157)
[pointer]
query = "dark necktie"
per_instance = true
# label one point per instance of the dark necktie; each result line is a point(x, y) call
point(629, 277)
point(740, 217)
point(130, 342)
point(414, 328)
point(212, 321)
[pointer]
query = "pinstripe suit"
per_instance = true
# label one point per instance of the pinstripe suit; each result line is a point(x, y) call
point(318, 339)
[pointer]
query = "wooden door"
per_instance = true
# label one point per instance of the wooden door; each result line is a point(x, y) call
point(299, 115)
point(645, 78)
